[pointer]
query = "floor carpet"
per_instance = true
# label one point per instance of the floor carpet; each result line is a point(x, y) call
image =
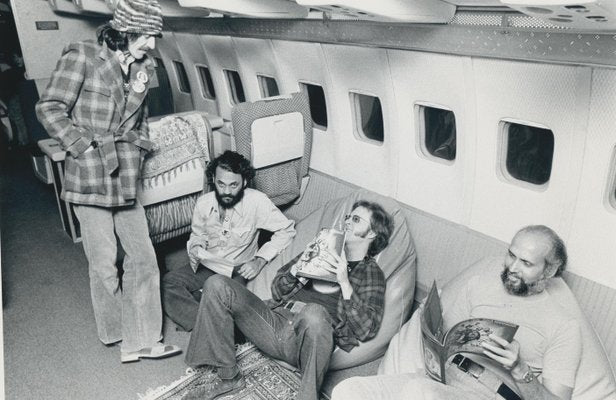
point(265, 380)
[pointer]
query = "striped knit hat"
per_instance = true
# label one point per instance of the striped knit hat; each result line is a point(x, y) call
point(138, 16)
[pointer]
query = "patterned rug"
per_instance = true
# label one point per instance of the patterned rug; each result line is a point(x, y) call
point(265, 380)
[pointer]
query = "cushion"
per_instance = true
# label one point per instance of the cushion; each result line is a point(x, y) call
point(398, 262)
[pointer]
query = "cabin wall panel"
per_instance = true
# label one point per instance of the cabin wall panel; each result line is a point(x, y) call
point(305, 62)
point(430, 184)
point(168, 49)
point(256, 57)
point(193, 54)
point(593, 235)
point(221, 54)
point(549, 95)
point(41, 49)
point(365, 71)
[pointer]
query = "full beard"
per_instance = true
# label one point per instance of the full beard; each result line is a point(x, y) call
point(519, 287)
point(228, 201)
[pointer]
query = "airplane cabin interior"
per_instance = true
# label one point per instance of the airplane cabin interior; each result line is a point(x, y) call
point(468, 119)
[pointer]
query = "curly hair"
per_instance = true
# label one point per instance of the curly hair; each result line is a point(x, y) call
point(232, 162)
point(381, 224)
point(115, 40)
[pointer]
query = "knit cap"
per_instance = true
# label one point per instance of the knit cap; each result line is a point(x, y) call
point(138, 16)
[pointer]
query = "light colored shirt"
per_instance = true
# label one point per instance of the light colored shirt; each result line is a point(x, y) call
point(550, 339)
point(235, 237)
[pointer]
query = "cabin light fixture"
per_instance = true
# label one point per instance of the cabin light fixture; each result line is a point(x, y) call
point(92, 7)
point(592, 15)
point(171, 8)
point(64, 6)
point(250, 8)
point(417, 11)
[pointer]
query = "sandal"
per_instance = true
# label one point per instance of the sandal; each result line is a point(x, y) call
point(156, 352)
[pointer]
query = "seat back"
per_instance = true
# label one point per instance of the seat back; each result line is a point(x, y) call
point(173, 174)
point(276, 135)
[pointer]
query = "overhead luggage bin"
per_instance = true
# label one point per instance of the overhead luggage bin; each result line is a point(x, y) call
point(593, 15)
point(417, 11)
point(93, 7)
point(251, 8)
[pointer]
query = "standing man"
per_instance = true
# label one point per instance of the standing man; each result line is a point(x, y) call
point(226, 223)
point(301, 325)
point(544, 358)
point(95, 107)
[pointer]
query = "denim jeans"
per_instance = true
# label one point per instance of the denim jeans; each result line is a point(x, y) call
point(130, 310)
point(304, 339)
point(182, 293)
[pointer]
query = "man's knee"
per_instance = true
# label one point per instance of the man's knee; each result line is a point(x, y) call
point(316, 319)
point(216, 285)
point(171, 280)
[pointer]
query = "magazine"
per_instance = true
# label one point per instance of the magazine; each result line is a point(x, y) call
point(464, 337)
point(316, 262)
point(218, 264)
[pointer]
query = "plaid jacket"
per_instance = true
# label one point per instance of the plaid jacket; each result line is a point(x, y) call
point(360, 317)
point(84, 105)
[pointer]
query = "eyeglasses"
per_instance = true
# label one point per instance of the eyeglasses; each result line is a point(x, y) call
point(355, 218)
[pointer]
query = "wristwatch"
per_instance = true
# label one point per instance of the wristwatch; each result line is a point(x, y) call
point(528, 376)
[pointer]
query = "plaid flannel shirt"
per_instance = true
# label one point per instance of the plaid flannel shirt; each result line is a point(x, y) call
point(360, 317)
point(84, 104)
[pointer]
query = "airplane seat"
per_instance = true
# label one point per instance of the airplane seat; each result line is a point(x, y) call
point(173, 173)
point(397, 260)
point(275, 133)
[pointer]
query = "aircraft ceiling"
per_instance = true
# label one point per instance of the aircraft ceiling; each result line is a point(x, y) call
point(578, 15)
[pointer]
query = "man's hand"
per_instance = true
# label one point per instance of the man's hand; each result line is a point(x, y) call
point(508, 355)
point(249, 270)
point(505, 353)
point(193, 255)
point(342, 273)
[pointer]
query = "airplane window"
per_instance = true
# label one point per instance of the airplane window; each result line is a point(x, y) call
point(207, 85)
point(368, 117)
point(318, 107)
point(438, 132)
point(182, 77)
point(529, 152)
point(160, 99)
point(268, 86)
point(235, 86)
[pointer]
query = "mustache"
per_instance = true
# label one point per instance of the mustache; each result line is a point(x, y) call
point(513, 274)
